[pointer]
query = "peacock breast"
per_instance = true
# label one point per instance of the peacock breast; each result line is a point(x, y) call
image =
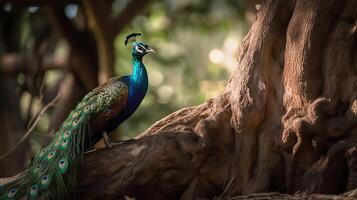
point(137, 92)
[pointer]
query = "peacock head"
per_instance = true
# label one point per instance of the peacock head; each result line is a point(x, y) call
point(140, 49)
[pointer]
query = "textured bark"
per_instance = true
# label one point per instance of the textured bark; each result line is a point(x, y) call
point(286, 122)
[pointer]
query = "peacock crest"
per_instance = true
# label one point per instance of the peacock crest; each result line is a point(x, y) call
point(52, 173)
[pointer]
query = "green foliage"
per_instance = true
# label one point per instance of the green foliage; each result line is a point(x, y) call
point(181, 74)
point(196, 42)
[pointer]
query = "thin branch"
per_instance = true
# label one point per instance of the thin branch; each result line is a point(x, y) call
point(41, 95)
point(226, 189)
point(29, 131)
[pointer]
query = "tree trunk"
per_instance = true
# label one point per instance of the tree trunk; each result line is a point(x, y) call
point(286, 122)
point(11, 122)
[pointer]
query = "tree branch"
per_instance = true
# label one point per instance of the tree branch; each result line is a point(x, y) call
point(83, 54)
point(33, 125)
point(99, 22)
point(14, 63)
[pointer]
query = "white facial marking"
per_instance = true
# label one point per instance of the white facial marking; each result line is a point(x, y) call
point(137, 48)
point(143, 47)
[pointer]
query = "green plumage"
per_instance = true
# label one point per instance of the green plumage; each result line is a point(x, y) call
point(52, 174)
point(46, 177)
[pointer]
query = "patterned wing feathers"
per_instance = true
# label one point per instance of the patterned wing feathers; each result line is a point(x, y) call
point(57, 163)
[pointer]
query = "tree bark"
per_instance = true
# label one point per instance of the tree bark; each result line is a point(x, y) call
point(10, 122)
point(286, 122)
point(99, 22)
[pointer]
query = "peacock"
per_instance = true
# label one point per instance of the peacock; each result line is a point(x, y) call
point(52, 173)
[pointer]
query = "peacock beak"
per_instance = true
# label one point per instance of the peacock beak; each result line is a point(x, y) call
point(150, 50)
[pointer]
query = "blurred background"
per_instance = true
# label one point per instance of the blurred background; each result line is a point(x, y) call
point(71, 46)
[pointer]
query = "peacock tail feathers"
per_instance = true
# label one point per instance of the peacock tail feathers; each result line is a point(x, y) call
point(46, 177)
point(52, 174)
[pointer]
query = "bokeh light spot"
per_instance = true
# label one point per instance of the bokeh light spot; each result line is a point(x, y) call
point(8, 7)
point(216, 56)
point(156, 78)
point(33, 9)
point(165, 93)
point(71, 10)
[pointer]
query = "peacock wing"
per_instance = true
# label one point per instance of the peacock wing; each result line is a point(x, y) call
point(111, 102)
point(53, 171)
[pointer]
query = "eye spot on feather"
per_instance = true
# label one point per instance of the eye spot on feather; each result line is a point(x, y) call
point(51, 155)
point(63, 165)
point(34, 191)
point(37, 169)
point(75, 122)
point(12, 192)
point(45, 181)
point(64, 144)
point(86, 108)
point(66, 134)
point(40, 170)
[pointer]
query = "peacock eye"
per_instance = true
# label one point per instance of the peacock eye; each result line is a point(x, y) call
point(51, 155)
point(34, 188)
point(64, 144)
point(75, 122)
point(11, 193)
point(63, 165)
point(86, 108)
point(45, 181)
point(34, 191)
point(66, 134)
point(140, 49)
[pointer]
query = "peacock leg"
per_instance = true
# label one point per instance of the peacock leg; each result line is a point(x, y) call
point(107, 140)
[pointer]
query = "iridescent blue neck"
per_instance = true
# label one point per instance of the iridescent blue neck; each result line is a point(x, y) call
point(139, 76)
